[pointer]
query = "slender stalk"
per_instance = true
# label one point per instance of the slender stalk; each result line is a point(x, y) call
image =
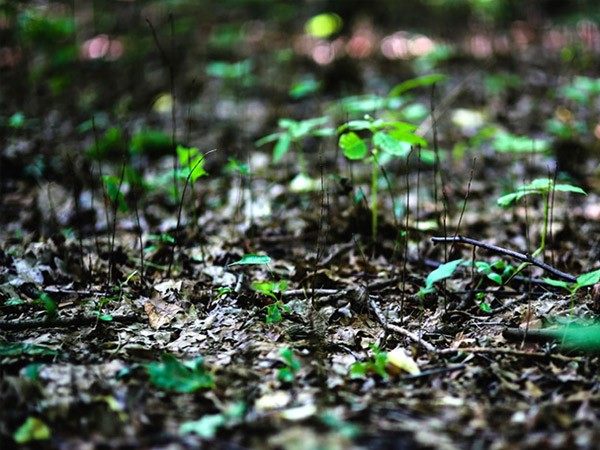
point(374, 182)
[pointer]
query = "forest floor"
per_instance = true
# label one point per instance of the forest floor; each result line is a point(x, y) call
point(124, 322)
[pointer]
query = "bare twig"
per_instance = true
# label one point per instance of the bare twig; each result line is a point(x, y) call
point(398, 329)
point(80, 321)
point(507, 351)
point(504, 251)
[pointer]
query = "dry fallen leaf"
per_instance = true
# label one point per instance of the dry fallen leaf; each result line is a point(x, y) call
point(399, 360)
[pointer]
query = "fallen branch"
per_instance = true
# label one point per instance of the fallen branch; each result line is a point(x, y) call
point(504, 251)
point(80, 321)
point(507, 351)
point(398, 329)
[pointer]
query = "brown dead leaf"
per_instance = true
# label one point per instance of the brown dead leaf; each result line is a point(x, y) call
point(160, 313)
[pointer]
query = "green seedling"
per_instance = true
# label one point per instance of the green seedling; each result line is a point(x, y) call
point(209, 424)
point(304, 88)
point(268, 288)
point(33, 429)
point(158, 241)
point(582, 90)
point(543, 187)
point(237, 167)
point(238, 73)
point(505, 142)
point(568, 124)
point(113, 185)
point(119, 293)
point(112, 143)
point(272, 289)
point(191, 162)
point(441, 273)
point(496, 84)
point(173, 375)
point(50, 306)
point(497, 271)
point(585, 280)
point(396, 100)
point(394, 138)
point(291, 135)
point(377, 364)
point(288, 373)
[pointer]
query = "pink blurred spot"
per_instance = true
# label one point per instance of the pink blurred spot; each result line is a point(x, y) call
point(597, 130)
point(588, 31)
point(101, 46)
point(395, 46)
point(362, 42)
point(521, 33)
point(421, 45)
point(480, 46)
point(323, 53)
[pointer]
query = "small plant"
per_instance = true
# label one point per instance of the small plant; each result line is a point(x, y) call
point(288, 373)
point(114, 192)
point(291, 135)
point(49, 305)
point(238, 74)
point(172, 375)
point(543, 187)
point(158, 241)
point(119, 293)
point(268, 288)
point(567, 123)
point(394, 138)
point(441, 273)
point(497, 271)
point(585, 280)
point(207, 426)
point(385, 364)
point(376, 364)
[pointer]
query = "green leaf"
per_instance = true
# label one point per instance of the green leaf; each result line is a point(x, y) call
point(32, 430)
point(112, 185)
point(172, 375)
point(388, 144)
point(206, 427)
point(588, 279)
point(485, 307)
point(580, 337)
point(266, 139)
point(359, 125)
point(273, 314)
point(408, 137)
point(358, 370)
point(252, 259)
point(425, 80)
point(495, 277)
point(558, 283)
point(442, 272)
point(353, 146)
point(507, 199)
point(269, 286)
point(49, 304)
point(282, 147)
point(569, 188)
